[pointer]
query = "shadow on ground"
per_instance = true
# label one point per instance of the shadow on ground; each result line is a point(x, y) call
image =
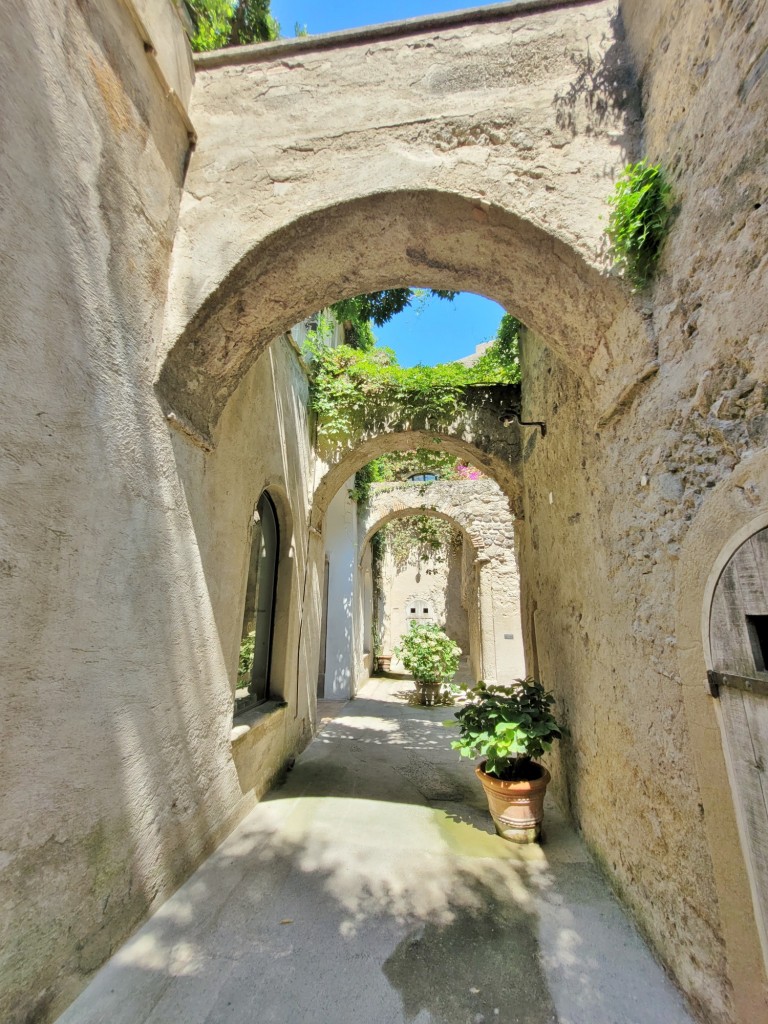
point(371, 886)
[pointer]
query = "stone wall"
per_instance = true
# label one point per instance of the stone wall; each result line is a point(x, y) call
point(626, 513)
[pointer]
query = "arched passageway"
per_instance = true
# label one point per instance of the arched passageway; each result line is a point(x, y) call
point(477, 155)
point(479, 176)
point(478, 437)
point(490, 579)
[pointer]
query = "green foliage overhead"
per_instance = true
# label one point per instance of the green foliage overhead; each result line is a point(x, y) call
point(380, 307)
point(399, 465)
point(428, 653)
point(221, 23)
point(639, 220)
point(348, 385)
point(361, 313)
point(503, 355)
point(372, 473)
point(507, 725)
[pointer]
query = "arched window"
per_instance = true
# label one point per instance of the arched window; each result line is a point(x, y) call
point(423, 478)
point(259, 616)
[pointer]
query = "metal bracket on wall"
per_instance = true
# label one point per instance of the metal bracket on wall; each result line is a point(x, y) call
point(510, 416)
point(735, 682)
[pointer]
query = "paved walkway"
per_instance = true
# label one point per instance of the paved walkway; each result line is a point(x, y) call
point(371, 889)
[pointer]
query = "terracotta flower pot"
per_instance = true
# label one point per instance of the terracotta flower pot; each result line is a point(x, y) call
point(384, 661)
point(428, 692)
point(516, 807)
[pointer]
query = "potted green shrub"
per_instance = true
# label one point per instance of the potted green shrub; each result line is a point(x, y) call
point(510, 726)
point(430, 656)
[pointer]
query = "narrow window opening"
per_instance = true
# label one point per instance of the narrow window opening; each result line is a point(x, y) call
point(757, 628)
point(413, 611)
point(258, 618)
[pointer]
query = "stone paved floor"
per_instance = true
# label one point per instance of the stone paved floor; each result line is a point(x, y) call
point(371, 888)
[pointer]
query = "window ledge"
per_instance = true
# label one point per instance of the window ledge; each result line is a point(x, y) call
point(259, 718)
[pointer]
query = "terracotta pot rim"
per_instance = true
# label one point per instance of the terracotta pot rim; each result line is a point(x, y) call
point(521, 786)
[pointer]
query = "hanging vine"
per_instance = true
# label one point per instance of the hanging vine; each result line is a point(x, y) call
point(422, 538)
point(348, 386)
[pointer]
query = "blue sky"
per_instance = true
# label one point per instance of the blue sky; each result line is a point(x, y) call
point(437, 331)
point(328, 16)
point(433, 331)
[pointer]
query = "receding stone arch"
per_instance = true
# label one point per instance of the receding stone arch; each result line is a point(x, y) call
point(406, 512)
point(478, 508)
point(477, 437)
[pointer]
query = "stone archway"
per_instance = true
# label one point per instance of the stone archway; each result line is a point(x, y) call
point(481, 511)
point(477, 436)
point(479, 176)
point(479, 507)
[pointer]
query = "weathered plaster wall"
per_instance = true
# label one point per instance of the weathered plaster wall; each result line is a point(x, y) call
point(344, 666)
point(613, 555)
point(428, 583)
point(262, 443)
point(116, 761)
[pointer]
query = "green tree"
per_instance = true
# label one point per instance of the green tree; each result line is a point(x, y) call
point(221, 23)
point(360, 313)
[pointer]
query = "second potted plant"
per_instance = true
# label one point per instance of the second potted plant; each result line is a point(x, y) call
point(431, 657)
point(509, 726)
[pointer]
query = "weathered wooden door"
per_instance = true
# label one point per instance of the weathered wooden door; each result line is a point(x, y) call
point(738, 632)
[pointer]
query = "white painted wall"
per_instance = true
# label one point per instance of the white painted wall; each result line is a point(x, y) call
point(344, 646)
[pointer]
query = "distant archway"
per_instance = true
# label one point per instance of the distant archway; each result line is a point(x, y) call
point(481, 440)
point(480, 510)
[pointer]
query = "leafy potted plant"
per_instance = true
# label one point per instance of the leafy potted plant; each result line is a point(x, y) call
point(430, 656)
point(509, 726)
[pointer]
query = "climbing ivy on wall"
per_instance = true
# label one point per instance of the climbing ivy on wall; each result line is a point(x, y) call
point(398, 466)
point(348, 385)
point(425, 538)
point(639, 220)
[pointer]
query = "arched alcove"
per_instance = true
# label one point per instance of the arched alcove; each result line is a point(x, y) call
point(260, 600)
